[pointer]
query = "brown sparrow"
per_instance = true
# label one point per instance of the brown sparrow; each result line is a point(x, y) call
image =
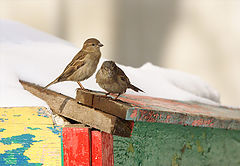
point(112, 79)
point(83, 65)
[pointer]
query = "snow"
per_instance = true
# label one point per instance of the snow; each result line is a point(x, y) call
point(34, 56)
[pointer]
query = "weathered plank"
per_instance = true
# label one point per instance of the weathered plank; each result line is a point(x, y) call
point(100, 101)
point(76, 146)
point(150, 109)
point(83, 146)
point(68, 107)
point(181, 112)
point(76, 125)
point(102, 149)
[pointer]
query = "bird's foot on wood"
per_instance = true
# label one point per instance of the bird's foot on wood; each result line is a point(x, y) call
point(117, 96)
point(106, 94)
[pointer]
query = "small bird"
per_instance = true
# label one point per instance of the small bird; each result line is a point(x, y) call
point(112, 79)
point(83, 65)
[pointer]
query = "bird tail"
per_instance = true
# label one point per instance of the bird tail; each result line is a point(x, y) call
point(53, 82)
point(136, 89)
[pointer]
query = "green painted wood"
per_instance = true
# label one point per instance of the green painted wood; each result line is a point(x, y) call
point(159, 144)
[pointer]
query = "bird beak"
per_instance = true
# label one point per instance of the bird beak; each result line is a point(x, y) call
point(100, 44)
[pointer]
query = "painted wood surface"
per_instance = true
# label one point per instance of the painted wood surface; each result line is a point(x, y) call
point(84, 147)
point(70, 108)
point(102, 149)
point(161, 144)
point(76, 146)
point(28, 137)
point(149, 109)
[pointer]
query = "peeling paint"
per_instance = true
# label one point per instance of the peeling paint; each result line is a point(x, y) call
point(159, 144)
point(130, 148)
point(149, 109)
point(25, 138)
point(2, 129)
point(16, 156)
point(199, 147)
point(34, 128)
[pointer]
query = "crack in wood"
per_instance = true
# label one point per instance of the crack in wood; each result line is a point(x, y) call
point(70, 108)
point(63, 104)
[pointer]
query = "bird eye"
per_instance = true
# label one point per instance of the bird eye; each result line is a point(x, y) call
point(93, 44)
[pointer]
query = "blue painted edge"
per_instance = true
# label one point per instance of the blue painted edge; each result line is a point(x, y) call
point(62, 153)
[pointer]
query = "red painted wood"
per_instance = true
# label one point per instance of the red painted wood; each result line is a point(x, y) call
point(107, 149)
point(187, 113)
point(132, 126)
point(102, 149)
point(76, 146)
point(96, 148)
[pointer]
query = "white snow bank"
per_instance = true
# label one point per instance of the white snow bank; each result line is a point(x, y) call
point(37, 57)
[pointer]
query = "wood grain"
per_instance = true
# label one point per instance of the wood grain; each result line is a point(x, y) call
point(101, 102)
point(68, 107)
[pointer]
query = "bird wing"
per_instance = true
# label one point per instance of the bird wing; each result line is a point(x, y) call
point(125, 79)
point(80, 56)
point(74, 65)
point(122, 75)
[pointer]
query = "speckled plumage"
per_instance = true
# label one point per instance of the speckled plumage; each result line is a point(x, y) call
point(112, 79)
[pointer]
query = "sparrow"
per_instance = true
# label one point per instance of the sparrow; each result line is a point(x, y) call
point(83, 65)
point(112, 79)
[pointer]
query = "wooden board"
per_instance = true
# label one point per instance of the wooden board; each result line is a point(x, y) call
point(102, 149)
point(68, 107)
point(149, 109)
point(100, 101)
point(181, 112)
point(76, 146)
point(28, 137)
point(86, 147)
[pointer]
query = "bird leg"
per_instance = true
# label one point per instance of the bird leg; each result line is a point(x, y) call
point(106, 94)
point(80, 85)
point(117, 96)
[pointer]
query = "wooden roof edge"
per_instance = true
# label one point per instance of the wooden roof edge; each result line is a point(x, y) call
point(153, 116)
point(171, 111)
point(68, 107)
